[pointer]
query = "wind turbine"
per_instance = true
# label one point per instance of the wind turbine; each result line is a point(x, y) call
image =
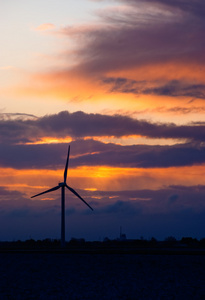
point(62, 185)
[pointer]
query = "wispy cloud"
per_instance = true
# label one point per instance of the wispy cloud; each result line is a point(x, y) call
point(144, 38)
point(45, 27)
point(148, 48)
point(174, 88)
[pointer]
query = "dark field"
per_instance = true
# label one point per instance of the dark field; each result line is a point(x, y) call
point(101, 276)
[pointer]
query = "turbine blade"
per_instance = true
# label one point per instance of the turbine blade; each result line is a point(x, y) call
point(48, 191)
point(66, 166)
point(75, 193)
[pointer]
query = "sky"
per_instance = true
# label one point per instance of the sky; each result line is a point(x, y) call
point(122, 83)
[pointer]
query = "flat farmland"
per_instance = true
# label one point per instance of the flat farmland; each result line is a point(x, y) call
point(101, 276)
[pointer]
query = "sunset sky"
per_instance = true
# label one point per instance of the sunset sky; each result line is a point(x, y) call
point(123, 83)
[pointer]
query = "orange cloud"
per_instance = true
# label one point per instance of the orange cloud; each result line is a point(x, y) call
point(120, 46)
point(75, 87)
point(45, 26)
point(162, 71)
point(102, 178)
point(49, 140)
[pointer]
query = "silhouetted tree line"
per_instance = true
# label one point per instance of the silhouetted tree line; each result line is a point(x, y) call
point(169, 242)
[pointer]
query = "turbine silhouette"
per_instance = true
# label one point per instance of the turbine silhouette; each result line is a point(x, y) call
point(62, 185)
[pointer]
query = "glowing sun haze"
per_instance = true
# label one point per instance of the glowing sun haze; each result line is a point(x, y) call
point(123, 82)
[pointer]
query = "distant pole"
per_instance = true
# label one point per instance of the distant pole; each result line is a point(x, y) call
point(63, 216)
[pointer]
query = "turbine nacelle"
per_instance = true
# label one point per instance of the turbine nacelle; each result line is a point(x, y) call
point(61, 184)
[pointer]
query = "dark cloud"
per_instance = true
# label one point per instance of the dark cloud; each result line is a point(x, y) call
point(173, 211)
point(152, 37)
point(14, 133)
point(32, 156)
point(10, 116)
point(80, 124)
point(124, 85)
point(92, 153)
point(193, 7)
point(145, 156)
point(146, 34)
point(6, 194)
point(174, 88)
point(171, 198)
point(122, 207)
point(154, 216)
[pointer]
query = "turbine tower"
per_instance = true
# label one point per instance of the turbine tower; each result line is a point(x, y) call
point(62, 185)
